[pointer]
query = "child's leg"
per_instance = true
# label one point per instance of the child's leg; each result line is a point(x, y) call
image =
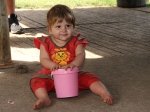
point(40, 88)
point(98, 88)
point(88, 80)
point(42, 98)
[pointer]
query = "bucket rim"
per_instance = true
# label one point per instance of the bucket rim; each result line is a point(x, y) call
point(64, 71)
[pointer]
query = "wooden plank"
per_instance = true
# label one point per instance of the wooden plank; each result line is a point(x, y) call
point(116, 44)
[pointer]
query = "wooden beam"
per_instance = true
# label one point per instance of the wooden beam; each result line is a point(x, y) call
point(5, 53)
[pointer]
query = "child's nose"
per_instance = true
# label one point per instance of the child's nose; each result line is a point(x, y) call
point(64, 29)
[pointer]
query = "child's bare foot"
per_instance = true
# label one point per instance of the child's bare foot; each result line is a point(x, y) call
point(41, 103)
point(38, 104)
point(107, 98)
point(99, 89)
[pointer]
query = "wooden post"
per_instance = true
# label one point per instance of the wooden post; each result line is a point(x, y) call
point(5, 53)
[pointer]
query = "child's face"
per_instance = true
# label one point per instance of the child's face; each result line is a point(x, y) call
point(62, 30)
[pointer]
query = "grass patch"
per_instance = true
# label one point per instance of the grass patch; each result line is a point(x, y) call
point(148, 3)
point(34, 4)
point(71, 3)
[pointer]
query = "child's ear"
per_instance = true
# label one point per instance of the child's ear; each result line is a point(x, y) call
point(49, 30)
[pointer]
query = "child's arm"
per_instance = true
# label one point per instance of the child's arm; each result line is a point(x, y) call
point(45, 60)
point(80, 56)
point(79, 59)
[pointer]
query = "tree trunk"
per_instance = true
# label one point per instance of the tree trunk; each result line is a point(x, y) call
point(5, 53)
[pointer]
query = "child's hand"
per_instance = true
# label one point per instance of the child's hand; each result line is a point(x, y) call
point(71, 65)
point(54, 66)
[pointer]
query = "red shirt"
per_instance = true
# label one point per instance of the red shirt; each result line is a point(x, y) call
point(61, 55)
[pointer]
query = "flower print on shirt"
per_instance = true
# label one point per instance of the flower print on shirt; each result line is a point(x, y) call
point(60, 56)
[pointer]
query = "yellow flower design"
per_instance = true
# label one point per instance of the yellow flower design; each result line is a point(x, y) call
point(61, 56)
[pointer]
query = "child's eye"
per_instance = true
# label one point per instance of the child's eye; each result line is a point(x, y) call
point(68, 26)
point(58, 26)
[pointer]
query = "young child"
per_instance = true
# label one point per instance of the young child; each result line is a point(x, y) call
point(62, 50)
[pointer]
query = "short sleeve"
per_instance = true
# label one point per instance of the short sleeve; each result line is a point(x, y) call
point(40, 40)
point(82, 41)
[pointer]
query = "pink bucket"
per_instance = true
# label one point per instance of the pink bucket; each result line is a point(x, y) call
point(66, 82)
